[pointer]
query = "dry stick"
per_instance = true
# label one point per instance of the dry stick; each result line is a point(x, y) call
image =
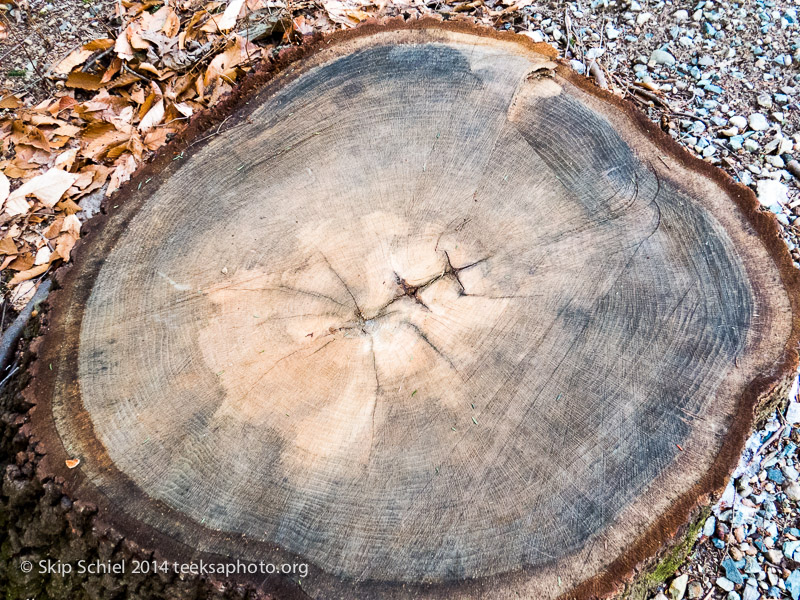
point(768, 443)
point(596, 72)
point(94, 60)
point(9, 340)
point(650, 96)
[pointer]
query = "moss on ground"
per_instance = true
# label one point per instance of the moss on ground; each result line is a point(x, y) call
point(662, 569)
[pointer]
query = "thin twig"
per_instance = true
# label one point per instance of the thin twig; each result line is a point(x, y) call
point(6, 378)
point(211, 135)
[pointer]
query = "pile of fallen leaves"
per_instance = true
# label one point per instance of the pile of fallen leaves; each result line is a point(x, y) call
point(120, 99)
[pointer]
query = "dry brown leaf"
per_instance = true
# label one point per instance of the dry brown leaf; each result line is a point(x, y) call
point(5, 188)
point(23, 262)
point(101, 174)
point(10, 101)
point(73, 59)
point(38, 118)
point(66, 159)
point(184, 109)
point(113, 69)
point(14, 172)
point(68, 207)
point(84, 81)
point(64, 245)
point(172, 24)
point(347, 13)
point(54, 229)
point(302, 26)
point(148, 68)
point(64, 103)
point(84, 179)
point(122, 45)
point(29, 159)
point(29, 274)
point(7, 246)
point(47, 187)
point(137, 41)
point(124, 168)
point(155, 138)
point(16, 206)
point(23, 133)
point(222, 64)
point(23, 294)
point(67, 130)
point(153, 117)
point(226, 21)
point(100, 145)
point(72, 225)
point(99, 44)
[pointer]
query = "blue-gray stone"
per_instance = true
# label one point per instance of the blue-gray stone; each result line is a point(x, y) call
point(775, 475)
point(577, 66)
point(710, 526)
point(751, 565)
point(793, 584)
point(789, 549)
point(731, 572)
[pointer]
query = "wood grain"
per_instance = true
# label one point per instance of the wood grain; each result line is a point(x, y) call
point(426, 313)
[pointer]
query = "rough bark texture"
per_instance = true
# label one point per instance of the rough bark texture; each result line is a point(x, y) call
point(427, 312)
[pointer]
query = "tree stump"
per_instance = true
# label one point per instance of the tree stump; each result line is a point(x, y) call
point(424, 310)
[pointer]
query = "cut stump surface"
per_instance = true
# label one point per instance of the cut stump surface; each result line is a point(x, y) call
point(425, 311)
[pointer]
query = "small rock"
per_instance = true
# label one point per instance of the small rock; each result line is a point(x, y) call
point(733, 596)
point(751, 566)
point(751, 591)
point(750, 145)
point(775, 474)
point(792, 492)
point(577, 66)
point(660, 596)
point(681, 16)
point(643, 18)
point(777, 162)
point(789, 548)
point(695, 588)
point(724, 584)
point(765, 101)
point(710, 526)
point(662, 57)
point(771, 192)
point(739, 122)
point(758, 122)
point(732, 573)
point(793, 584)
point(774, 556)
point(677, 589)
point(793, 411)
